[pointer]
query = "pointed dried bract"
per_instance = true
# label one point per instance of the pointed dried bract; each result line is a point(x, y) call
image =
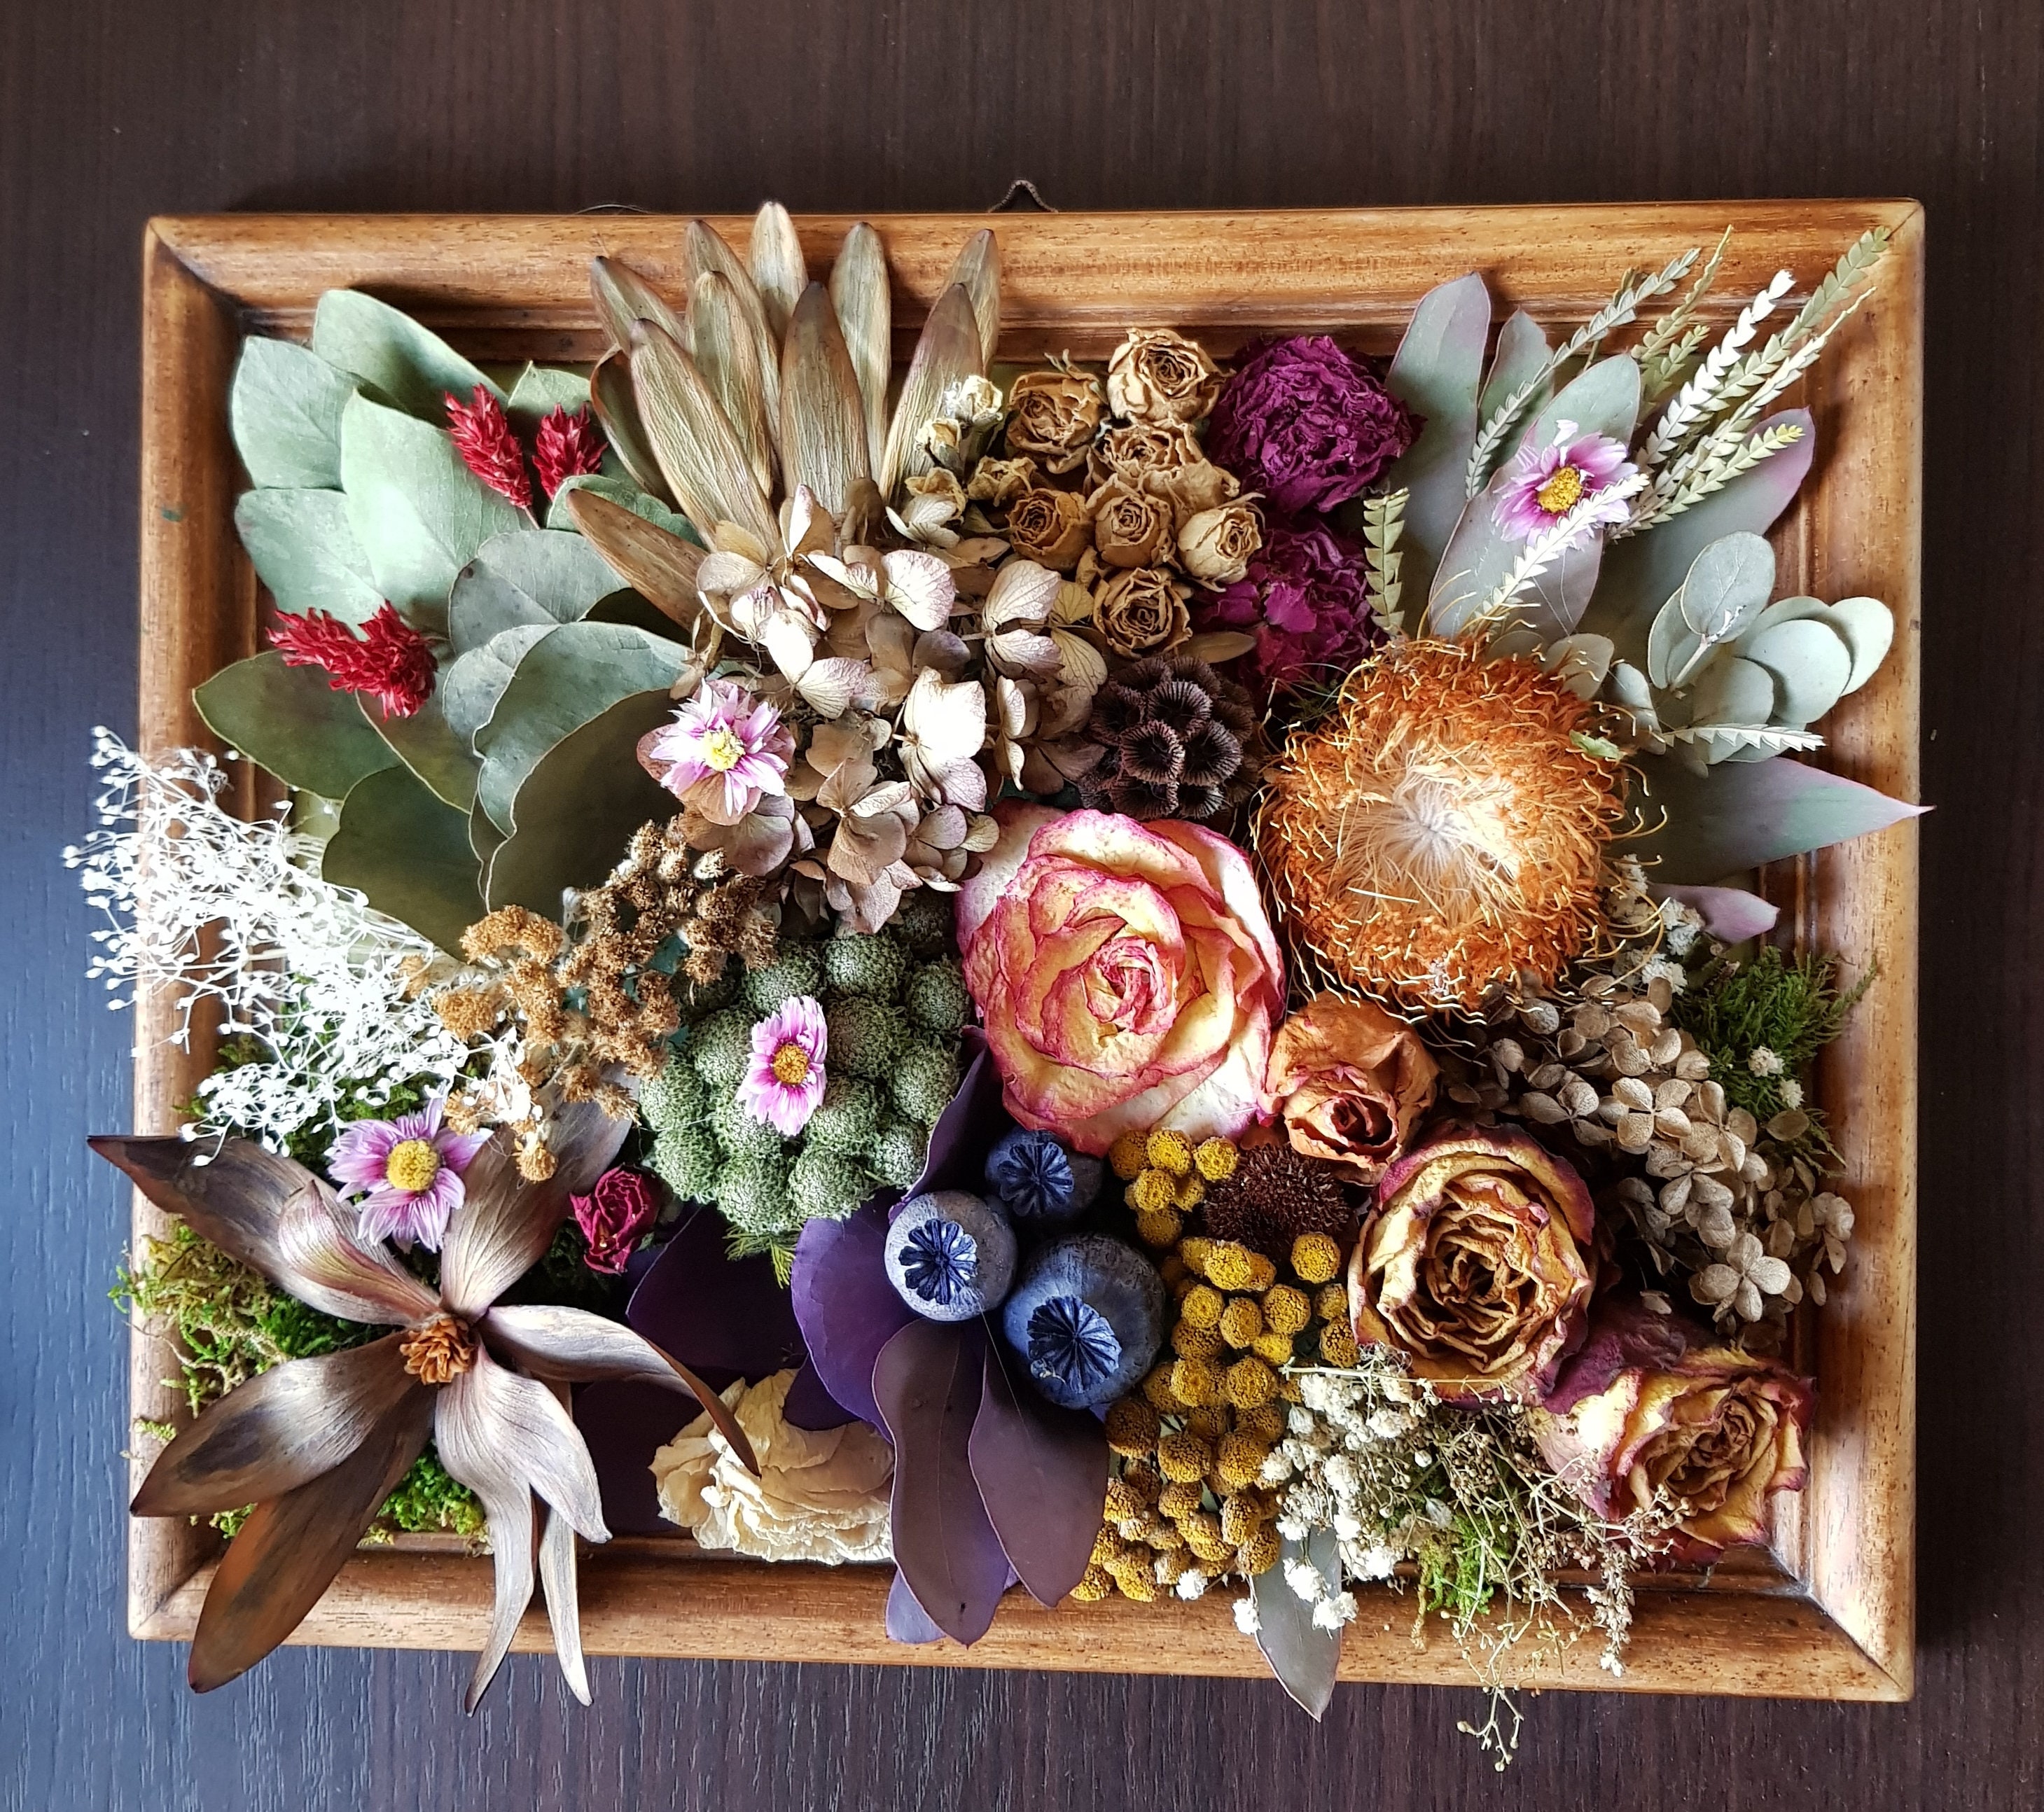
point(949, 352)
point(823, 427)
point(726, 353)
point(699, 450)
point(864, 312)
point(976, 270)
point(779, 268)
point(616, 406)
point(319, 1443)
point(660, 566)
point(703, 249)
point(622, 296)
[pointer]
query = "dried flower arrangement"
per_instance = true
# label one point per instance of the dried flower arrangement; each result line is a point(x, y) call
point(1146, 966)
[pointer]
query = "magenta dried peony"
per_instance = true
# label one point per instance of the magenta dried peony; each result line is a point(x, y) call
point(619, 1211)
point(1304, 600)
point(1307, 424)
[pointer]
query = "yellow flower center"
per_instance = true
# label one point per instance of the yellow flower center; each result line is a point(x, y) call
point(1562, 492)
point(412, 1165)
point(722, 750)
point(791, 1065)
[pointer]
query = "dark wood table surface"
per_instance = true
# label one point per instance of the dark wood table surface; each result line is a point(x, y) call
point(111, 111)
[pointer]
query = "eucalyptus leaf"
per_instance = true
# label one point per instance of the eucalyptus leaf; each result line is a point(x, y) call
point(1641, 572)
point(304, 549)
point(1479, 554)
point(427, 744)
point(1732, 691)
point(1522, 349)
point(1868, 626)
point(1741, 814)
point(419, 514)
point(1436, 373)
point(408, 852)
point(568, 678)
point(579, 806)
point(1305, 1657)
point(472, 684)
point(539, 390)
point(1811, 664)
point(484, 839)
point(529, 576)
point(285, 408)
point(291, 722)
point(627, 495)
point(1725, 588)
point(386, 349)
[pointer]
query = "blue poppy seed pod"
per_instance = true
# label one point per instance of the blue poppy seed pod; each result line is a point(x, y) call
point(1087, 1317)
point(1040, 1180)
point(950, 1255)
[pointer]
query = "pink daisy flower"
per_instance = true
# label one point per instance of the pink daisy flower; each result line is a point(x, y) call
point(784, 1080)
point(723, 751)
point(404, 1175)
point(1542, 485)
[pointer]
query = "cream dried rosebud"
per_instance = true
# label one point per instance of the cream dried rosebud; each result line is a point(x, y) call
point(1157, 375)
point(1215, 546)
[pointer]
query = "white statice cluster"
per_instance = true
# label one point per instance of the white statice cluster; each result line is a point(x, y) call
point(207, 906)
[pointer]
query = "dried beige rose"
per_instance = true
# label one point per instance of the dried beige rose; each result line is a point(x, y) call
point(999, 481)
point(1215, 546)
point(1129, 527)
point(1135, 450)
point(1051, 527)
point(815, 1497)
point(1189, 490)
point(1348, 1084)
point(1142, 612)
point(1156, 375)
point(1054, 416)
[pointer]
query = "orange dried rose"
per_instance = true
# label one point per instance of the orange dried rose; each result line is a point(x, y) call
point(1133, 450)
point(1051, 527)
point(1476, 1264)
point(1349, 1083)
point(1054, 416)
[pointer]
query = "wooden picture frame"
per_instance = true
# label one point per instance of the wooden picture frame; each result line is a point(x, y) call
point(1829, 1613)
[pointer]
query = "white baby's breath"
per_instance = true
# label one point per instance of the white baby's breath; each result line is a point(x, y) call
point(209, 907)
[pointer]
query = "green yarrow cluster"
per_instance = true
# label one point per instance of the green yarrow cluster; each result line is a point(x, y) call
point(894, 1004)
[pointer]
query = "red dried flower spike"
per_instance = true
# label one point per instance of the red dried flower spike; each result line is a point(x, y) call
point(388, 662)
point(566, 446)
point(483, 437)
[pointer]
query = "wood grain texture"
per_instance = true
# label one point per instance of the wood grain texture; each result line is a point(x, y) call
point(111, 111)
point(517, 286)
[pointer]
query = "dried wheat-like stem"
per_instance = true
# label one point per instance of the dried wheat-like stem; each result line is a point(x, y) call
point(1665, 350)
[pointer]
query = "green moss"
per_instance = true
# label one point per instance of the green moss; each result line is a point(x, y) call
point(429, 1499)
point(1793, 1009)
point(310, 1143)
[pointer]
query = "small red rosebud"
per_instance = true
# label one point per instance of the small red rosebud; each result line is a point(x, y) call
point(566, 446)
point(615, 1215)
point(482, 437)
point(388, 662)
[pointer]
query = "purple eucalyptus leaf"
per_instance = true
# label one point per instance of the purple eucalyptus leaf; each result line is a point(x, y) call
point(1737, 814)
point(810, 1406)
point(968, 1129)
point(1730, 914)
point(928, 1382)
point(847, 1309)
point(623, 1424)
point(907, 1621)
point(1643, 572)
point(1305, 1657)
point(1043, 1477)
point(715, 1313)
